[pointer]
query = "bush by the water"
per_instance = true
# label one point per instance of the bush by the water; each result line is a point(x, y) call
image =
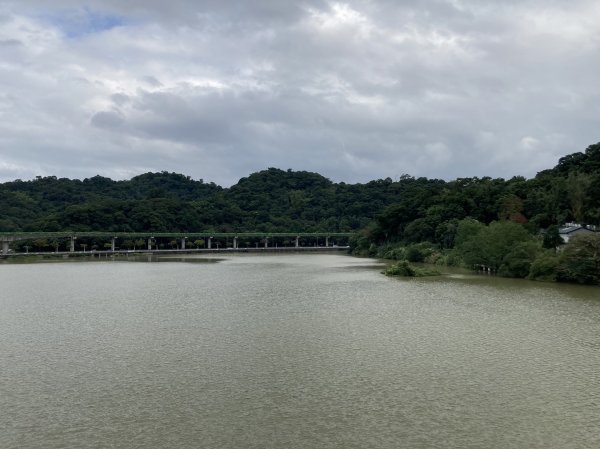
point(505, 248)
point(419, 252)
point(403, 268)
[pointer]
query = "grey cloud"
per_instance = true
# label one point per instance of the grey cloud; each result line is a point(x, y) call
point(10, 43)
point(152, 81)
point(107, 119)
point(120, 99)
point(355, 90)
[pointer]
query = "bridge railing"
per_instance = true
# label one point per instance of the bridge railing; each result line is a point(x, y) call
point(123, 234)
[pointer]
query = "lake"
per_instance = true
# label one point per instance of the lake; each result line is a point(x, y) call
point(292, 351)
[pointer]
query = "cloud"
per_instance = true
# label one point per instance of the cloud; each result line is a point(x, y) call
point(107, 119)
point(354, 90)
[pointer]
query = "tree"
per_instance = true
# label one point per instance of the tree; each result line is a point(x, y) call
point(511, 208)
point(580, 260)
point(495, 245)
point(40, 244)
point(544, 267)
point(517, 262)
point(445, 233)
point(577, 187)
point(467, 229)
point(552, 238)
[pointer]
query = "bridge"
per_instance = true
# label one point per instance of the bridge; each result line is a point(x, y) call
point(151, 239)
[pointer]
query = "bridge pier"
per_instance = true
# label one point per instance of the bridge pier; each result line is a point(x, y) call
point(5, 247)
point(266, 242)
point(297, 244)
point(183, 239)
point(72, 248)
point(112, 244)
point(210, 242)
point(326, 242)
point(235, 242)
point(149, 243)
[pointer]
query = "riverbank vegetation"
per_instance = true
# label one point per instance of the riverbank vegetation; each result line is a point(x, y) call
point(509, 226)
point(405, 269)
point(503, 248)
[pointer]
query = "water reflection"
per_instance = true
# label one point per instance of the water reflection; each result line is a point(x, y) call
point(108, 257)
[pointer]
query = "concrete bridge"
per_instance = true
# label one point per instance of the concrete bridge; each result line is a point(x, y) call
point(150, 238)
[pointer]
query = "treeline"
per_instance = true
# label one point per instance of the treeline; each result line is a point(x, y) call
point(271, 200)
point(388, 213)
point(509, 227)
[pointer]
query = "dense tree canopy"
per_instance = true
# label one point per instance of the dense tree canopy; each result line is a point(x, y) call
point(408, 209)
point(465, 215)
point(509, 227)
point(270, 200)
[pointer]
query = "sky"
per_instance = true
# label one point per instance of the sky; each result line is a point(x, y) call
point(354, 90)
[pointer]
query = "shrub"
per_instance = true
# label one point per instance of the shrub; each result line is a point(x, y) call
point(544, 267)
point(517, 262)
point(419, 251)
point(403, 268)
point(580, 261)
point(392, 251)
point(453, 259)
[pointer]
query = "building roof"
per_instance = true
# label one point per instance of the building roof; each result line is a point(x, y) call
point(572, 228)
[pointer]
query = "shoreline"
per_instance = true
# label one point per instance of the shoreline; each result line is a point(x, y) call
point(100, 254)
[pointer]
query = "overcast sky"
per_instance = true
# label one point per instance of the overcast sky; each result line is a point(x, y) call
point(355, 90)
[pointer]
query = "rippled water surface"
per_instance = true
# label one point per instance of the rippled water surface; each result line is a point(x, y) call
point(292, 351)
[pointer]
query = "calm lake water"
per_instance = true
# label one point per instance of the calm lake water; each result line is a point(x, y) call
point(292, 351)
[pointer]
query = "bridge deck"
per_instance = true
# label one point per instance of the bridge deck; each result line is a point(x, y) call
point(122, 252)
point(104, 234)
point(239, 239)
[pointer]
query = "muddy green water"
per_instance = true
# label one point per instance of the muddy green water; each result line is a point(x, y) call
point(292, 351)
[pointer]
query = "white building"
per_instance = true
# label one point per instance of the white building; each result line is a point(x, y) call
point(571, 229)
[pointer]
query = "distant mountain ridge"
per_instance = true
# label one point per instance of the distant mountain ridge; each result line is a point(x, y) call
point(286, 200)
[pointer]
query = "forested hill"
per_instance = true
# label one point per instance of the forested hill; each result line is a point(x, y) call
point(270, 200)
point(414, 209)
